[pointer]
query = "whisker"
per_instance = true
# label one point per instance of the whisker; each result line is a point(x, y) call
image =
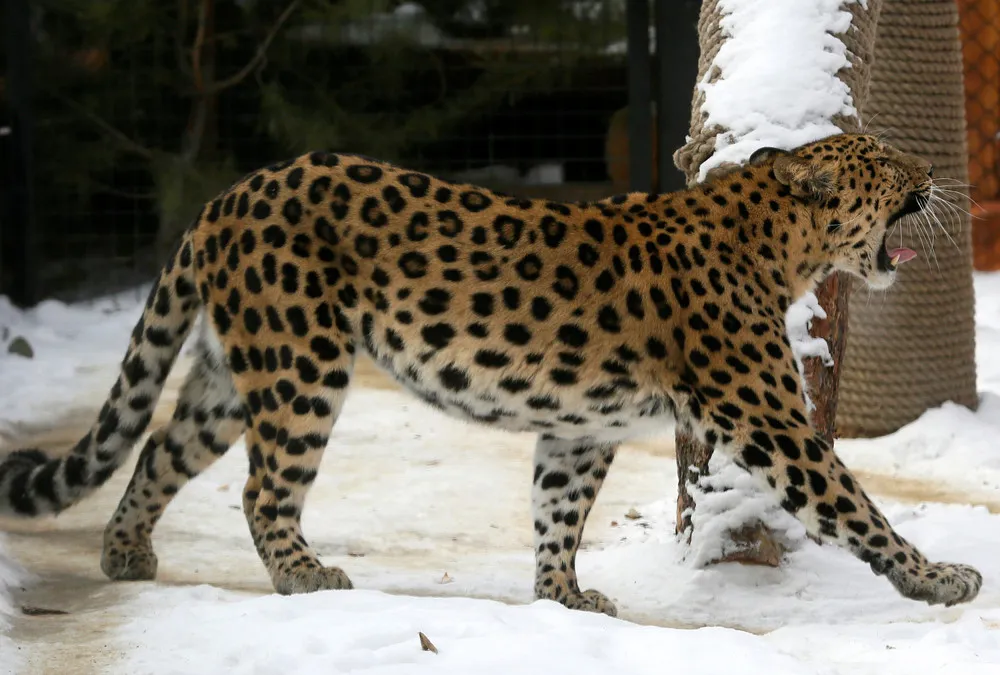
point(959, 190)
point(941, 226)
point(938, 179)
point(953, 194)
point(952, 207)
point(918, 229)
point(931, 234)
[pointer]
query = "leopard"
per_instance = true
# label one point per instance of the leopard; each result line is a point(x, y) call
point(585, 323)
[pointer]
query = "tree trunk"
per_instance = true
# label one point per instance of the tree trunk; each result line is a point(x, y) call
point(754, 542)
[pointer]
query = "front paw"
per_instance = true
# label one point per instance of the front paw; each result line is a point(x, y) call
point(939, 583)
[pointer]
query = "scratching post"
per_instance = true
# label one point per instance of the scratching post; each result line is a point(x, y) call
point(913, 348)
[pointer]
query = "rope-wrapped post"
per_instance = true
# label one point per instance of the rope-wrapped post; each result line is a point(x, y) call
point(914, 348)
point(753, 542)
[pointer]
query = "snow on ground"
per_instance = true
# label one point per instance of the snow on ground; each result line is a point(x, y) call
point(430, 517)
point(11, 576)
point(73, 347)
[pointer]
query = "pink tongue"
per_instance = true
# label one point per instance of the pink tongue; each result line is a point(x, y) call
point(903, 253)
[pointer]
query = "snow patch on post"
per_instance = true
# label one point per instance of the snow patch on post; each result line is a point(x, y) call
point(777, 81)
point(727, 499)
point(798, 321)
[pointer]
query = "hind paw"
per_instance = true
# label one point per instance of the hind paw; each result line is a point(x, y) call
point(135, 562)
point(310, 579)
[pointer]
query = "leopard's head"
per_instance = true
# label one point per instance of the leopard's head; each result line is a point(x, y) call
point(856, 188)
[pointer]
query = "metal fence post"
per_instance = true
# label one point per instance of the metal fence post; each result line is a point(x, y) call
point(640, 141)
point(19, 266)
point(676, 73)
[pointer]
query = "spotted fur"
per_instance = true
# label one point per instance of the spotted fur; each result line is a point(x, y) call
point(586, 323)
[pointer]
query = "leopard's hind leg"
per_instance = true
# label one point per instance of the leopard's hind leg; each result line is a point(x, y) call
point(291, 416)
point(208, 419)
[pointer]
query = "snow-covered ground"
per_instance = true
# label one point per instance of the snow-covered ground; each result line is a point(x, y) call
point(11, 575)
point(430, 517)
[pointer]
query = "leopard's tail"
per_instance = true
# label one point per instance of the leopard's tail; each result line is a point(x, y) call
point(33, 482)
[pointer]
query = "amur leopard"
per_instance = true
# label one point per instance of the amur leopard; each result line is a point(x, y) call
point(587, 323)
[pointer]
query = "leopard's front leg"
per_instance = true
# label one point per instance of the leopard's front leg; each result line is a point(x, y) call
point(763, 426)
point(568, 476)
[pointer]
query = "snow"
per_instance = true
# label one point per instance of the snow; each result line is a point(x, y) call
point(490, 638)
point(76, 344)
point(75, 347)
point(799, 320)
point(759, 100)
point(828, 617)
point(11, 575)
point(728, 498)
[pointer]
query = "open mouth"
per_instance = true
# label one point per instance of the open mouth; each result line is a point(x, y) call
point(891, 258)
point(914, 203)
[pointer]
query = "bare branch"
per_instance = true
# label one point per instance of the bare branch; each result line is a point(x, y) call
point(123, 140)
point(238, 77)
point(199, 44)
point(196, 129)
point(182, 64)
point(196, 126)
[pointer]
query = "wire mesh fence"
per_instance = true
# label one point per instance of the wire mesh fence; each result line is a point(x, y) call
point(142, 109)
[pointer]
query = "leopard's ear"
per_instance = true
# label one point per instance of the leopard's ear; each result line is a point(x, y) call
point(805, 178)
point(763, 154)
